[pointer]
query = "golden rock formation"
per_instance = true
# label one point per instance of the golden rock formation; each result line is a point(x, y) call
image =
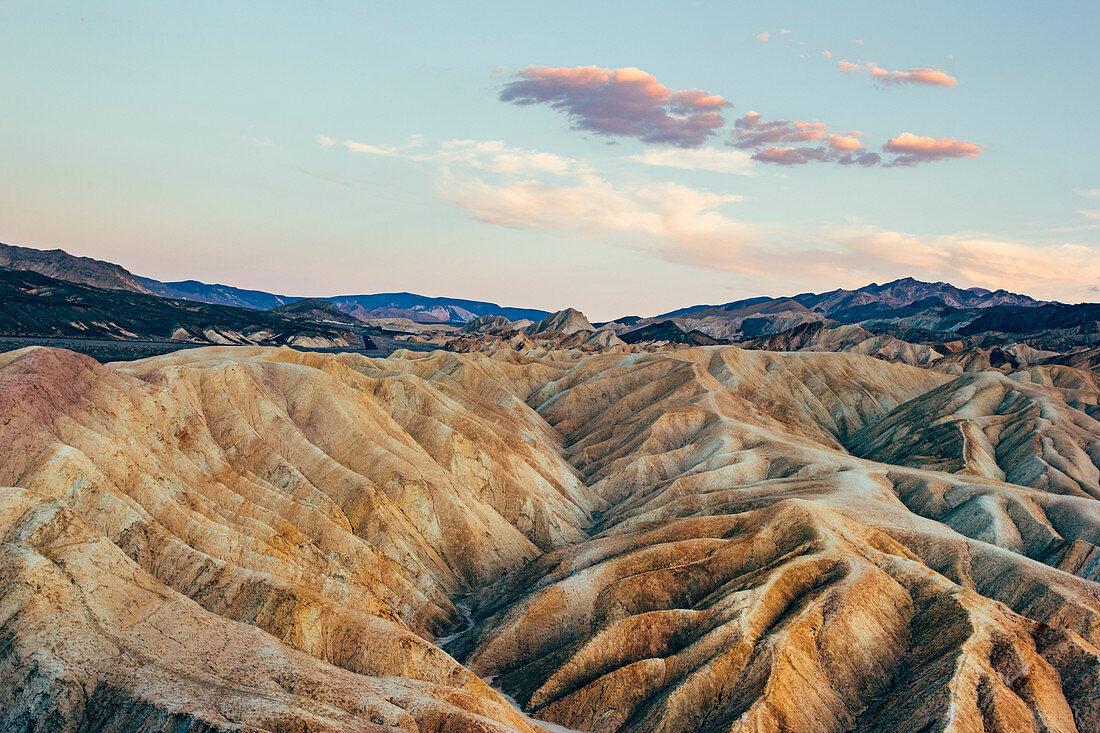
point(705, 539)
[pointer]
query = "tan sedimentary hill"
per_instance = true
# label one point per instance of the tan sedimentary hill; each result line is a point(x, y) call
point(567, 330)
point(989, 425)
point(748, 579)
point(853, 339)
point(485, 324)
point(253, 538)
point(566, 321)
point(1004, 359)
point(288, 492)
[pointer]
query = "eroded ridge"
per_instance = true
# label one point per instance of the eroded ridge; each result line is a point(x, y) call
point(699, 539)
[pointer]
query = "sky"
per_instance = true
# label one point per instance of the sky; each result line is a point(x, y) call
point(620, 158)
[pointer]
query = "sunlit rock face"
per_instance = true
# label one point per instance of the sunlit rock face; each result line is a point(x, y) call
point(704, 539)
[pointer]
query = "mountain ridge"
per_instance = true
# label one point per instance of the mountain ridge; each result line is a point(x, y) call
point(902, 292)
point(61, 265)
point(857, 305)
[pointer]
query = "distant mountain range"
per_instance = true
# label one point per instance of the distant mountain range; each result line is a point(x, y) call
point(907, 310)
point(35, 305)
point(87, 271)
point(867, 302)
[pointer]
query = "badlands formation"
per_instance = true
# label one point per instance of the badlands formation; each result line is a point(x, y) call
point(695, 539)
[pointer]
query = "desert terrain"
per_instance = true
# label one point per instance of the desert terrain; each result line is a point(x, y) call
point(684, 539)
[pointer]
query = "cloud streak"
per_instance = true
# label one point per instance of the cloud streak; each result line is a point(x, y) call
point(1052, 271)
point(687, 226)
point(766, 138)
point(801, 156)
point(735, 162)
point(528, 190)
point(752, 131)
point(488, 155)
point(927, 77)
point(914, 149)
point(625, 102)
point(674, 222)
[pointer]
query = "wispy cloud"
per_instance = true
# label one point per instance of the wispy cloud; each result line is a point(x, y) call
point(801, 156)
point(928, 77)
point(675, 222)
point(763, 36)
point(1060, 271)
point(687, 226)
point(1089, 193)
point(487, 155)
point(624, 102)
point(907, 150)
point(698, 159)
point(753, 130)
point(792, 155)
point(524, 189)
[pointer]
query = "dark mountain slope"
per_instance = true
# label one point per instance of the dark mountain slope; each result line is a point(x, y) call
point(216, 294)
point(670, 332)
point(64, 266)
point(425, 309)
point(316, 309)
point(35, 305)
point(1081, 318)
point(98, 273)
point(909, 292)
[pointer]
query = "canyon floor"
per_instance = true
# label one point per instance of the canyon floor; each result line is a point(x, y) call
point(698, 539)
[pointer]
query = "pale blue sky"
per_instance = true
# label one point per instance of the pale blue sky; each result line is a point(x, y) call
point(182, 140)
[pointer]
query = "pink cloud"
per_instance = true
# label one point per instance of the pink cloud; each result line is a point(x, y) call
point(801, 156)
point(752, 131)
point(792, 156)
point(929, 77)
point(763, 36)
point(845, 142)
point(912, 149)
point(624, 102)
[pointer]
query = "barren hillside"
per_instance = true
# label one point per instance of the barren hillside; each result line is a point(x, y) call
point(703, 539)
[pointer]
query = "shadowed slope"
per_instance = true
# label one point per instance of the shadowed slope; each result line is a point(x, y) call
point(989, 425)
point(751, 575)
